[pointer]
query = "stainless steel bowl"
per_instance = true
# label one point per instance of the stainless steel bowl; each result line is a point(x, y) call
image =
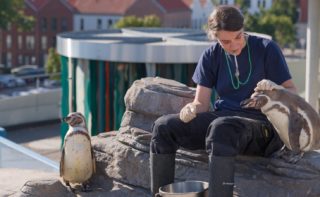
point(185, 188)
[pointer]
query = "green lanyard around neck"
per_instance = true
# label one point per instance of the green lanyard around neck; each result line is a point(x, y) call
point(236, 84)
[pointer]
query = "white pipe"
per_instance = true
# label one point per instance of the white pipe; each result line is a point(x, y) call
point(312, 58)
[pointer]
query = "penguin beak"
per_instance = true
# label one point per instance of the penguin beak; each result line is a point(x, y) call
point(248, 103)
point(66, 119)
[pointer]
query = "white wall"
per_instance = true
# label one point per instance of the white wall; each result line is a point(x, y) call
point(200, 13)
point(90, 22)
point(30, 108)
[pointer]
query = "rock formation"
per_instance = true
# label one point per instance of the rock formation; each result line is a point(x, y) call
point(123, 156)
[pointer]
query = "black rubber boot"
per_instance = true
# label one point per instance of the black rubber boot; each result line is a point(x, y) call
point(162, 168)
point(221, 180)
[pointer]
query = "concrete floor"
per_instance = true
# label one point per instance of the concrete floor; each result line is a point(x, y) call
point(43, 138)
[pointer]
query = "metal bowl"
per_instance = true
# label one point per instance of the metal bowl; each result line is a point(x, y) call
point(185, 188)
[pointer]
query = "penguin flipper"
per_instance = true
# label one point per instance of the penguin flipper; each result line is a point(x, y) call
point(295, 127)
point(61, 163)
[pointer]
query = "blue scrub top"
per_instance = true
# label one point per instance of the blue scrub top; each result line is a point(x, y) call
point(212, 71)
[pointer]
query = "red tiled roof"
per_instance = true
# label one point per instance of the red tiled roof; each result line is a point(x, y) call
point(101, 6)
point(173, 5)
point(188, 2)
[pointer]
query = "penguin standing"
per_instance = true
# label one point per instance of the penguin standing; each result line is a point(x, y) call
point(296, 122)
point(77, 163)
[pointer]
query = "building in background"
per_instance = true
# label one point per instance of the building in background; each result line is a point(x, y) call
point(201, 10)
point(56, 16)
point(171, 13)
point(98, 15)
point(52, 17)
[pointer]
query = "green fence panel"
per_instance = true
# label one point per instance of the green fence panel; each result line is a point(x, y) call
point(64, 94)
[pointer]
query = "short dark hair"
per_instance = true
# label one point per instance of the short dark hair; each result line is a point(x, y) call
point(225, 17)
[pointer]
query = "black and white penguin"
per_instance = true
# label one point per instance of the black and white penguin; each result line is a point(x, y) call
point(296, 122)
point(77, 163)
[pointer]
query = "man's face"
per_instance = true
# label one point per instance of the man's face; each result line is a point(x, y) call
point(231, 41)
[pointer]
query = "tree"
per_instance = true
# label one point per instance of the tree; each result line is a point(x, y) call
point(53, 65)
point(133, 21)
point(280, 27)
point(243, 4)
point(286, 8)
point(277, 22)
point(151, 21)
point(12, 12)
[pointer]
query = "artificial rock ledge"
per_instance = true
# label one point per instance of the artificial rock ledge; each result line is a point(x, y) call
point(123, 156)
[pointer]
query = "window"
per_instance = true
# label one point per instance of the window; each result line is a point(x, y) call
point(54, 24)
point(9, 41)
point(53, 42)
point(64, 24)
point(110, 23)
point(224, 2)
point(9, 59)
point(261, 3)
point(30, 42)
point(43, 24)
point(20, 43)
point(81, 24)
point(20, 59)
point(247, 3)
point(99, 24)
point(26, 59)
point(44, 58)
point(33, 60)
point(264, 4)
point(44, 43)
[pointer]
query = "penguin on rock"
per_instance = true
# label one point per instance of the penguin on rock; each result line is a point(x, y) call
point(77, 163)
point(296, 122)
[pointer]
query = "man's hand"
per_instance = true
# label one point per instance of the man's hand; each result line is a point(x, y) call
point(188, 112)
point(266, 84)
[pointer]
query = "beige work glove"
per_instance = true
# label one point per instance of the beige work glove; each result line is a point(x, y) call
point(266, 84)
point(188, 112)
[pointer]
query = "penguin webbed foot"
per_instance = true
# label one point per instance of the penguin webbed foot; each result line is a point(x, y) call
point(71, 189)
point(86, 187)
point(288, 155)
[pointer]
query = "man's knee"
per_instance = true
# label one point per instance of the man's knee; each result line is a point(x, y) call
point(163, 125)
point(222, 137)
point(162, 141)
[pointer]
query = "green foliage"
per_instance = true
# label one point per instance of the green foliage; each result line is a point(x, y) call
point(53, 64)
point(12, 12)
point(151, 21)
point(133, 21)
point(243, 4)
point(286, 8)
point(277, 22)
point(215, 2)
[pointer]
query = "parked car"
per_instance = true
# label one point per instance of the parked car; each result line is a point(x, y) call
point(27, 70)
point(10, 81)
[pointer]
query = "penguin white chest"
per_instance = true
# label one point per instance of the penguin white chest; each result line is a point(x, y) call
point(279, 119)
point(77, 159)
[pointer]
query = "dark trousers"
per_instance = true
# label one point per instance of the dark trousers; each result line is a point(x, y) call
point(220, 133)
